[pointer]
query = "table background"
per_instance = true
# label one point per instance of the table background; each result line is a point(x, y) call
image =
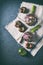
point(8, 46)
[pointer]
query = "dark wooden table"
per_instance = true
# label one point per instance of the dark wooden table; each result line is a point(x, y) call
point(8, 46)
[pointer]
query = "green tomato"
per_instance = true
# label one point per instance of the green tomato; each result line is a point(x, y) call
point(22, 52)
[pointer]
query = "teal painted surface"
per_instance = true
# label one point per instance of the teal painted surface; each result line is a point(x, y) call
point(8, 46)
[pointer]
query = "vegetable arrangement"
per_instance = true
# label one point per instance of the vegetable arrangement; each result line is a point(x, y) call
point(30, 19)
point(27, 28)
